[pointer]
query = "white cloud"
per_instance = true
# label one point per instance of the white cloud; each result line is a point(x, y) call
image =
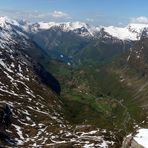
point(140, 20)
point(35, 15)
point(59, 14)
point(89, 20)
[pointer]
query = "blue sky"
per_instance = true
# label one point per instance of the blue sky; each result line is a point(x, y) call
point(101, 12)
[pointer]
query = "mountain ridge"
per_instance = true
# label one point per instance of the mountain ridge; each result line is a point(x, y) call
point(130, 32)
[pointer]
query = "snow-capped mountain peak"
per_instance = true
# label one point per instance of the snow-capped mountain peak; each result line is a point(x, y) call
point(65, 25)
point(42, 26)
point(78, 27)
point(11, 32)
point(137, 27)
point(130, 32)
point(5, 21)
point(74, 25)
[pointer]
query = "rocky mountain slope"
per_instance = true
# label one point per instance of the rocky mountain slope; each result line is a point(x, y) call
point(21, 89)
point(132, 69)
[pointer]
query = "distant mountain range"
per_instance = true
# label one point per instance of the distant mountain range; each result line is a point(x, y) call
point(69, 42)
point(130, 32)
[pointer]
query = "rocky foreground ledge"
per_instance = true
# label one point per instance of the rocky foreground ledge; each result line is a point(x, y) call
point(138, 139)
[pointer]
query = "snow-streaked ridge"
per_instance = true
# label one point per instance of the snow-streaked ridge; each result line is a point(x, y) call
point(5, 21)
point(11, 32)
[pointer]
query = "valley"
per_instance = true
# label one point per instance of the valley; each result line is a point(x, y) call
point(72, 85)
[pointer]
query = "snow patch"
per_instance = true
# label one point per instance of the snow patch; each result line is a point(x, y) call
point(142, 137)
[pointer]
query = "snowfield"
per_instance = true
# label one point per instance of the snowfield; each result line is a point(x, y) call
point(142, 137)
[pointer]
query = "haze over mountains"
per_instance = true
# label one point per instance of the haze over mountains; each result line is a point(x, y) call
point(71, 84)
